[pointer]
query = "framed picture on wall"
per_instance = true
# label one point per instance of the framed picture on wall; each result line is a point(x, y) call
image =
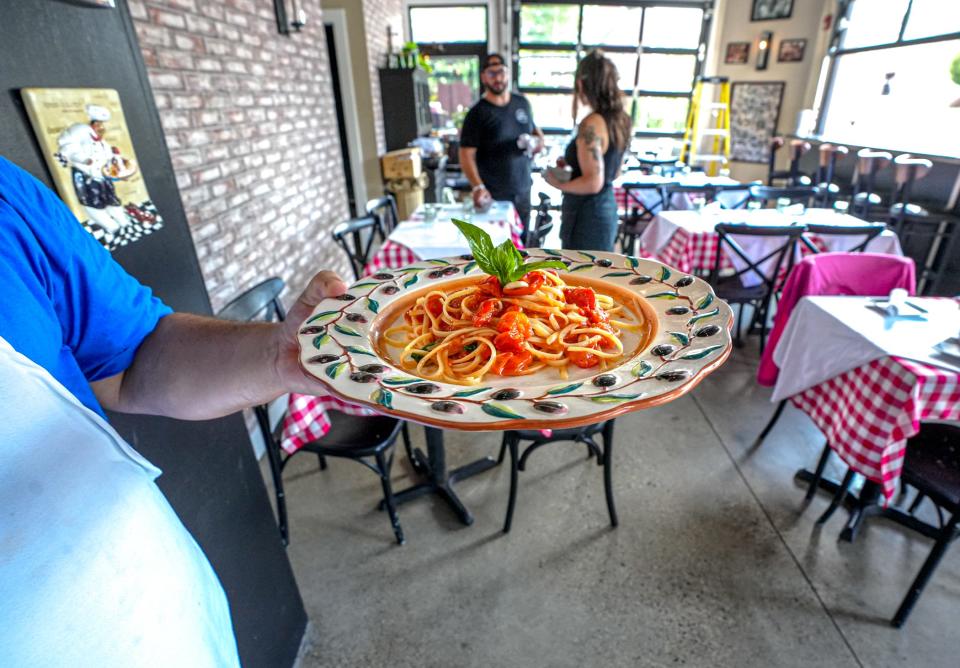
point(791, 50)
point(768, 10)
point(754, 114)
point(738, 53)
point(87, 145)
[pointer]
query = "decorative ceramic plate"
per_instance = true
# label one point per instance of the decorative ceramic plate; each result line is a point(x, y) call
point(687, 337)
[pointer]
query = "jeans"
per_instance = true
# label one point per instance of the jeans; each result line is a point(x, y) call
point(589, 222)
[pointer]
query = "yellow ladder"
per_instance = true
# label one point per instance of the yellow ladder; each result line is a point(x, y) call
point(715, 127)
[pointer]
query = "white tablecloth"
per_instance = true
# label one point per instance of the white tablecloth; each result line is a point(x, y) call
point(440, 238)
point(667, 223)
point(827, 336)
point(645, 188)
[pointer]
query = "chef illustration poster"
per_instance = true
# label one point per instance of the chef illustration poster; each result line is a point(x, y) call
point(85, 140)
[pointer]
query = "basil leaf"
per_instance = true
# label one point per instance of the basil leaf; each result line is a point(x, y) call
point(510, 261)
point(481, 246)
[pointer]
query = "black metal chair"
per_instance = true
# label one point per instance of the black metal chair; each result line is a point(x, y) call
point(385, 210)
point(357, 237)
point(667, 192)
point(350, 437)
point(796, 194)
point(926, 234)
point(542, 224)
point(869, 231)
point(731, 287)
point(932, 467)
point(637, 214)
point(585, 435)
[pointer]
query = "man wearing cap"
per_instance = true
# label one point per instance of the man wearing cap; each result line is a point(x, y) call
point(497, 140)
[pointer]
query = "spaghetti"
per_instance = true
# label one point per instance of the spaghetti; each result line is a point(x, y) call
point(460, 336)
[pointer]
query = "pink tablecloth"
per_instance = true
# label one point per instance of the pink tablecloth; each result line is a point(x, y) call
point(868, 413)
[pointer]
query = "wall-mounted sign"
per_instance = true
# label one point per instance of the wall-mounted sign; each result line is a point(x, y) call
point(85, 141)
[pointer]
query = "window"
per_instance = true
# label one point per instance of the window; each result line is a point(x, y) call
point(552, 36)
point(455, 39)
point(448, 25)
point(893, 77)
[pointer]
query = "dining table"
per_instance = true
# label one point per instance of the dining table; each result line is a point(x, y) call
point(636, 190)
point(425, 235)
point(867, 375)
point(429, 233)
point(688, 240)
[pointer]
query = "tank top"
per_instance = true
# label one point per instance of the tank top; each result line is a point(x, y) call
point(611, 161)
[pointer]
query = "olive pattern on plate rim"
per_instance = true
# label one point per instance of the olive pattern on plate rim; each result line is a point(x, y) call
point(687, 319)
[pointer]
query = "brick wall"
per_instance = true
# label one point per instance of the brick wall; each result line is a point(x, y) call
point(377, 15)
point(249, 119)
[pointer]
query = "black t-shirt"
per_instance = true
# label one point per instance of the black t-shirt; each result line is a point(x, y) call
point(493, 131)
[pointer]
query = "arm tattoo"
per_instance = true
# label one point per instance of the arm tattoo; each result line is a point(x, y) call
point(592, 141)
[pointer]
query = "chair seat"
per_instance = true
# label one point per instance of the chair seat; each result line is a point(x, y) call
point(352, 435)
point(559, 434)
point(932, 463)
point(909, 210)
point(871, 198)
point(731, 289)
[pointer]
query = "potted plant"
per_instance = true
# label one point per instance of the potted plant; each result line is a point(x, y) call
point(955, 75)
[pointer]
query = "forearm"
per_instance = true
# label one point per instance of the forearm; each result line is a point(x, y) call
point(587, 184)
point(468, 163)
point(196, 368)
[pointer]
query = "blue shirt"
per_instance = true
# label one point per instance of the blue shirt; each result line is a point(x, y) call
point(66, 304)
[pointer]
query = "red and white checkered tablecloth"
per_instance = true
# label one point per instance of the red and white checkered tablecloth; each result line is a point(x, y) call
point(689, 252)
point(391, 255)
point(306, 419)
point(868, 413)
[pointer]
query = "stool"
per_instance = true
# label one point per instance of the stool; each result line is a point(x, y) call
point(792, 176)
point(907, 170)
point(869, 162)
point(829, 191)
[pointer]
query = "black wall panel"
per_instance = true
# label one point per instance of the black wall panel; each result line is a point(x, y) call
point(210, 474)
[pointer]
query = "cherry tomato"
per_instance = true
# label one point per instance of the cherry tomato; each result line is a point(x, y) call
point(491, 286)
point(508, 342)
point(582, 359)
point(434, 306)
point(514, 328)
point(533, 279)
point(515, 321)
point(585, 298)
point(512, 364)
point(488, 308)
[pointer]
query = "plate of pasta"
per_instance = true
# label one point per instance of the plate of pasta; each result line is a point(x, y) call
point(507, 339)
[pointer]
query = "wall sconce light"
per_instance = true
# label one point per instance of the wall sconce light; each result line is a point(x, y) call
point(763, 49)
point(294, 20)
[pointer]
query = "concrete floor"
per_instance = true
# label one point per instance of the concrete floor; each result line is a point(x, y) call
point(716, 561)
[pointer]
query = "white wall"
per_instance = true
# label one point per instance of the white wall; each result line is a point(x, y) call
point(806, 22)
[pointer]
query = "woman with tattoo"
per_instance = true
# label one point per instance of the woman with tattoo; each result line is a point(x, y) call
point(589, 212)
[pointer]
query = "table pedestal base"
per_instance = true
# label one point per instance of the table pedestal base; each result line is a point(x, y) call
point(864, 505)
point(438, 480)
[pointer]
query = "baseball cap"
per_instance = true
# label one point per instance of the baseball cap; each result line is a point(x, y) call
point(491, 60)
